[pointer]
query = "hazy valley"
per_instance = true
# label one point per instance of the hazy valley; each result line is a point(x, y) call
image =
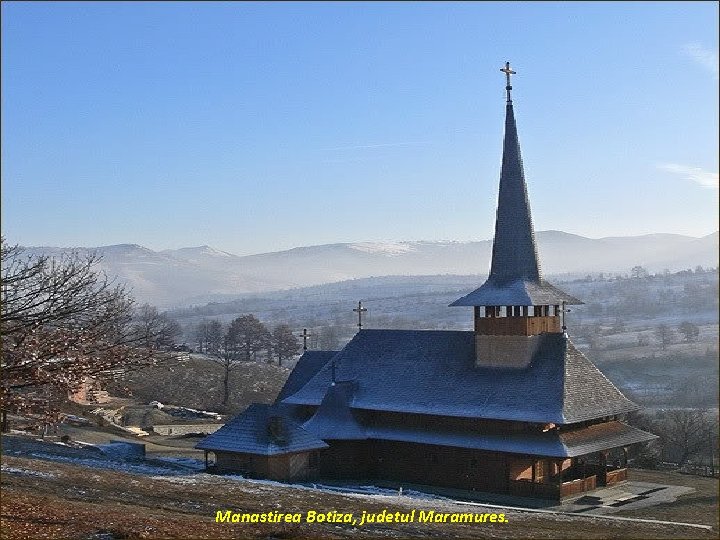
point(177, 278)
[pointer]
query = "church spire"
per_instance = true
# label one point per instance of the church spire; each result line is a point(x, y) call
point(514, 254)
point(515, 280)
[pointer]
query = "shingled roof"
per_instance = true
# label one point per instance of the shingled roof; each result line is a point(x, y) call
point(307, 366)
point(515, 278)
point(434, 372)
point(516, 293)
point(553, 443)
point(252, 433)
point(334, 419)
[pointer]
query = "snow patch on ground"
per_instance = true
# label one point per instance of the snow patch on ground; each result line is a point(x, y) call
point(190, 463)
point(120, 466)
point(25, 472)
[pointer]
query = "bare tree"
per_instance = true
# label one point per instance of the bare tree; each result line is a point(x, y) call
point(62, 320)
point(215, 336)
point(638, 272)
point(161, 331)
point(201, 335)
point(689, 331)
point(227, 360)
point(247, 336)
point(329, 339)
point(664, 335)
point(284, 343)
point(642, 339)
point(686, 432)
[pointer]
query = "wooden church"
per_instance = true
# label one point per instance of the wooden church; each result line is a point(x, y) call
point(511, 407)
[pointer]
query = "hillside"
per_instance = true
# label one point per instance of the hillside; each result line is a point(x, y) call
point(197, 383)
point(54, 497)
point(202, 274)
point(616, 327)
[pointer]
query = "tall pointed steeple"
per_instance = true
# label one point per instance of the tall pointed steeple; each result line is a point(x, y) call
point(515, 287)
point(514, 253)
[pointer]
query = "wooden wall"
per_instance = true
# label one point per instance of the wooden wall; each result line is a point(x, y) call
point(517, 326)
point(283, 467)
point(416, 464)
point(413, 463)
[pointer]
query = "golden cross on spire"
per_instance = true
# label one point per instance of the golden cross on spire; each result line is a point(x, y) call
point(507, 71)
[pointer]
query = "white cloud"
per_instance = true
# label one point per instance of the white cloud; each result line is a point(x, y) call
point(705, 57)
point(700, 176)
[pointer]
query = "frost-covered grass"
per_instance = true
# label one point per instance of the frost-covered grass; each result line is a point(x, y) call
point(82, 497)
point(25, 472)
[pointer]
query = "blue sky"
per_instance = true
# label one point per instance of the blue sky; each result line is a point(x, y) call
point(255, 127)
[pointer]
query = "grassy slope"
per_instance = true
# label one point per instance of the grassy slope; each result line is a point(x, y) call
point(76, 502)
point(197, 383)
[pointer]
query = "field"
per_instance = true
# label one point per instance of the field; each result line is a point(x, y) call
point(44, 498)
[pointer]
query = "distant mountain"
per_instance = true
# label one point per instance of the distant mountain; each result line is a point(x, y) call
point(201, 274)
point(197, 253)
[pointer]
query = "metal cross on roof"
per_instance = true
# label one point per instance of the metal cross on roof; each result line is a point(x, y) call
point(564, 311)
point(360, 310)
point(305, 336)
point(507, 71)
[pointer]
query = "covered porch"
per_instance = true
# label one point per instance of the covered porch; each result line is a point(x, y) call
point(553, 478)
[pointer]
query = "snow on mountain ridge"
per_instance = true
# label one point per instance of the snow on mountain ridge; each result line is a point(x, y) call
point(384, 248)
point(169, 277)
point(198, 251)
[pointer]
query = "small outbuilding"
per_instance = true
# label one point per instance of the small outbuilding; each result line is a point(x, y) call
point(262, 442)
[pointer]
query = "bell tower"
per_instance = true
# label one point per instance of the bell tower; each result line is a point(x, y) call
point(515, 303)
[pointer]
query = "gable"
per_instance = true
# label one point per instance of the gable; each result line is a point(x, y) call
point(307, 366)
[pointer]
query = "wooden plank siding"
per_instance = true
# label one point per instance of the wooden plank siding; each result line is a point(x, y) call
point(434, 465)
point(283, 467)
point(517, 326)
point(415, 464)
point(616, 476)
point(578, 486)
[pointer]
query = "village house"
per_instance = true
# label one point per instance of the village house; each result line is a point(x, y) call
point(510, 407)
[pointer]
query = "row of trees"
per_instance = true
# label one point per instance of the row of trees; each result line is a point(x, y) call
point(63, 320)
point(686, 436)
point(245, 339)
point(665, 334)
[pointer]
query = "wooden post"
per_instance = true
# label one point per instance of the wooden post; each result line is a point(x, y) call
point(534, 463)
point(603, 466)
point(559, 472)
